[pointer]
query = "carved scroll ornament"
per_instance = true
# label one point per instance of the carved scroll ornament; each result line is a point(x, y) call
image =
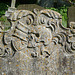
point(36, 30)
point(37, 43)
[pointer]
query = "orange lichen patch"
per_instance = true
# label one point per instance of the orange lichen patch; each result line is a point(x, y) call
point(68, 68)
point(17, 58)
point(22, 69)
point(30, 54)
point(32, 26)
point(55, 73)
point(24, 51)
point(11, 54)
point(48, 39)
point(52, 20)
point(45, 11)
point(27, 50)
point(4, 45)
point(29, 44)
point(73, 72)
point(23, 37)
point(67, 74)
point(39, 46)
point(42, 68)
point(39, 65)
point(8, 49)
point(19, 47)
point(51, 58)
point(54, 37)
point(57, 53)
point(17, 33)
point(45, 40)
point(39, 28)
point(17, 65)
point(45, 47)
point(4, 74)
point(37, 40)
point(2, 32)
point(0, 67)
point(22, 42)
point(32, 30)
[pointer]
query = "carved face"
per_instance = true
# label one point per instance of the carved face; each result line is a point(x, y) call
point(40, 34)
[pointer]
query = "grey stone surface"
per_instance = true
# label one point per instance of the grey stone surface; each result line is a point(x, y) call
point(30, 7)
point(13, 3)
point(71, 15)
point(37, 44)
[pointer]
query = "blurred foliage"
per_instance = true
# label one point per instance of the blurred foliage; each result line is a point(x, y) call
point(5, 22)
point(63, 12)
point(72, 2)
point(3, 8)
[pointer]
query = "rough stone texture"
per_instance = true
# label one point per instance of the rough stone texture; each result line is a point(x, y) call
point(37, 44)
point(71, 15)
point(30, 7)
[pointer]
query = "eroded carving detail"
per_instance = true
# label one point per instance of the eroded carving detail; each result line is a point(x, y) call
point(66, 38)
point(38, 31)
point(36, 44)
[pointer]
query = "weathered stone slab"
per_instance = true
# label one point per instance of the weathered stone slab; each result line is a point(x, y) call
point(37, 44)
point(30, 7)
point(71, 15)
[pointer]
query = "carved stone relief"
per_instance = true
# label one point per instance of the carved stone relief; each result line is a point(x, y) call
point(37, 44)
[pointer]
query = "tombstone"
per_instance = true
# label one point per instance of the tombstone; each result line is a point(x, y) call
point(30, 7)
point(37, 44)
point(71, 15)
